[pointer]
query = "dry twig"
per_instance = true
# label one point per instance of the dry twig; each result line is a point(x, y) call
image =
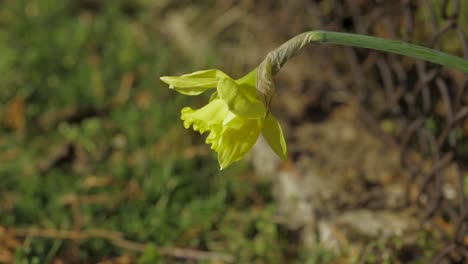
point(118, 240)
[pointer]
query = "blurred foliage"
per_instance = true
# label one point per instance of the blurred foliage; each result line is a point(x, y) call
point(90, 138)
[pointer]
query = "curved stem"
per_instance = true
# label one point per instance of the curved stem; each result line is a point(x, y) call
point(394, 46)
point(278, 57)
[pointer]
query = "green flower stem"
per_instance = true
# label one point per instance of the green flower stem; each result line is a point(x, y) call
point(276, 59)
point(394, 46)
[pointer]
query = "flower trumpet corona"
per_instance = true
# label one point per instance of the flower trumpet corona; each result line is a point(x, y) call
point(234, 117)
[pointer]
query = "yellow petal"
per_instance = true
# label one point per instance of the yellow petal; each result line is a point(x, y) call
point(248, 84)
point(236, 140)
point(211, 73)
point(203, 119)
point(273, 134)
point(238, 101)
point(189, 85)
point(249, 79)
point(194, 83)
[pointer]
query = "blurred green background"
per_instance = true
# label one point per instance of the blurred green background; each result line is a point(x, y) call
point(91, 139)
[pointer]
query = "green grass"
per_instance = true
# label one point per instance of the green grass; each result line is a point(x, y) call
point(82, 103)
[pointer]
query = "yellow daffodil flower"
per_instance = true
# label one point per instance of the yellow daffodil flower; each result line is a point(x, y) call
point(234, 116)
